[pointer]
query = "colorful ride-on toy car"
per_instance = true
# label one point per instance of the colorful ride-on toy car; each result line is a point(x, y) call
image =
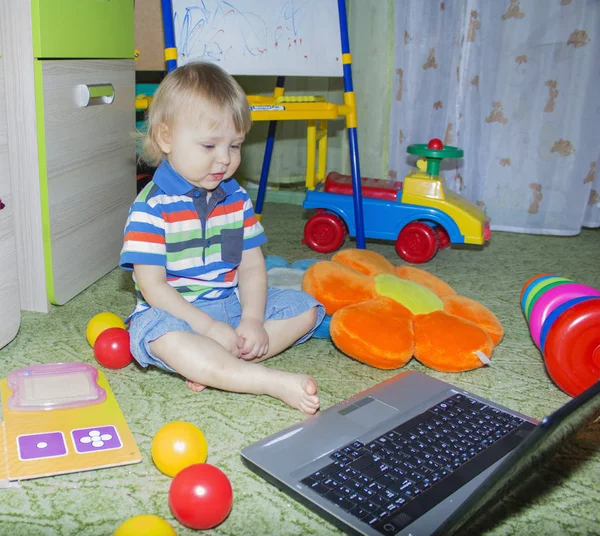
point(421, 214)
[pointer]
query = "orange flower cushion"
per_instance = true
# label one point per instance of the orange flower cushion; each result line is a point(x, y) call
point(383, 315)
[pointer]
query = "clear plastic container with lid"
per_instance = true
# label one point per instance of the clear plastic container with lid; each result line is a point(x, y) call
point(54, 386)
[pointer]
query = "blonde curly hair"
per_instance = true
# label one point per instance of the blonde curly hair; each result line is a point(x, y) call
point(190, 89)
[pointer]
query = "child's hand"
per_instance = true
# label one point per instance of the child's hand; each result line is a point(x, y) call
point(256, 339)
point(226, 336)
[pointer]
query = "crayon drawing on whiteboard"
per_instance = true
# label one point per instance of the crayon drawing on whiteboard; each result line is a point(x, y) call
point(260, 37)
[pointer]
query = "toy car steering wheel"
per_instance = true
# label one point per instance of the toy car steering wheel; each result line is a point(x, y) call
point(435, 151)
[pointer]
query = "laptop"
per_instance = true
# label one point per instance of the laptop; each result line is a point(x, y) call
point(412, 455)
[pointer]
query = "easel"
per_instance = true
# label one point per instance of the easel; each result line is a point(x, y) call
point(315, 110)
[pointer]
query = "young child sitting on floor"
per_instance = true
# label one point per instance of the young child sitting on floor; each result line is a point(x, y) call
point(193, 242)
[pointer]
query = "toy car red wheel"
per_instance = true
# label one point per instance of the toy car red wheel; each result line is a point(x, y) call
point(417, 243)
point(324, 232)
point(443, 237)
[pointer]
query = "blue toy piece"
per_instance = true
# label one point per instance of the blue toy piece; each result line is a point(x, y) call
point(303, 264)
point(322, 332)
point(282, 274)
point(275, 261)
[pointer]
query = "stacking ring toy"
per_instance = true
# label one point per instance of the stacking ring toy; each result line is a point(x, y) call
point(564, 321)
point(530, 281)
point(572, 346)
point(536, 290)
point(550, 300)
point(540, 292)
point(534, 286)
point(553, 317)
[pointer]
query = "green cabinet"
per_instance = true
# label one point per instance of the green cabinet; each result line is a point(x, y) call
point(82, 28)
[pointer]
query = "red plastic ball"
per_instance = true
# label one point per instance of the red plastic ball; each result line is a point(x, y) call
point(435, 144)
point(112, 348)
point(200, 496)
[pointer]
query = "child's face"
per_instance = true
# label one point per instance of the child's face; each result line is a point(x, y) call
point(204, 152)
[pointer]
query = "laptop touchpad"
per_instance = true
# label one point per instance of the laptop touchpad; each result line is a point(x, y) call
point(368, 412)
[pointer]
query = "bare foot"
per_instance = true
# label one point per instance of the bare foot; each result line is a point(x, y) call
point(196, 387)
point(296, 390)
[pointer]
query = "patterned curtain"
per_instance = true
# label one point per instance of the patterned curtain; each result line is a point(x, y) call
point(516, 84)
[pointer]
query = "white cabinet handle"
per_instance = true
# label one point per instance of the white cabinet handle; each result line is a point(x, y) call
point(95, 94)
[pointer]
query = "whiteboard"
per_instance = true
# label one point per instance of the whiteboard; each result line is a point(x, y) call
point(260, 37)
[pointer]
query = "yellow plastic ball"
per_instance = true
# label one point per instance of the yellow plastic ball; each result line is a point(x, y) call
point(178, 445)
point(101, 322)
point(145, 525)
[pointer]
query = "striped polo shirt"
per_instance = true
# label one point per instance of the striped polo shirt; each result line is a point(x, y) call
point(198, 241)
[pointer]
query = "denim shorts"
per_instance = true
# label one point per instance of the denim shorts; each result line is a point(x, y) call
point(153, 323)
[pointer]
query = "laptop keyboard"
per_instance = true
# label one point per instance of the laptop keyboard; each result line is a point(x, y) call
point(428, 457)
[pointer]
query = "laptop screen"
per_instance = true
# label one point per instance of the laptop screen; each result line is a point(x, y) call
point(541, 444)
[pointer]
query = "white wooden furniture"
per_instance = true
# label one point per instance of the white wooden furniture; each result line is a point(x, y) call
point(72, 158)
point(10, 311)
point(90, 168)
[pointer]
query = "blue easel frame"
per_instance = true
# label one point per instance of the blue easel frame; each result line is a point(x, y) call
point(170, 53)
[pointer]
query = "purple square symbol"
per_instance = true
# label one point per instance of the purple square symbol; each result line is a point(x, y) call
point(45, 445)
point(95, 439)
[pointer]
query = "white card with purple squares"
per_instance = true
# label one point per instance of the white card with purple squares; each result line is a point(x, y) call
point(48, 432)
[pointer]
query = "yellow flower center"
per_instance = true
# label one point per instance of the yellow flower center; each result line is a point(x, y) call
point(418, 299)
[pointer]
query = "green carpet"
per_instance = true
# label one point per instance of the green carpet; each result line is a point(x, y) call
point(562, 498)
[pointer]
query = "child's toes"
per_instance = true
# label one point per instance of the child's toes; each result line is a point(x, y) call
point(193, 386)
point(310, 386)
